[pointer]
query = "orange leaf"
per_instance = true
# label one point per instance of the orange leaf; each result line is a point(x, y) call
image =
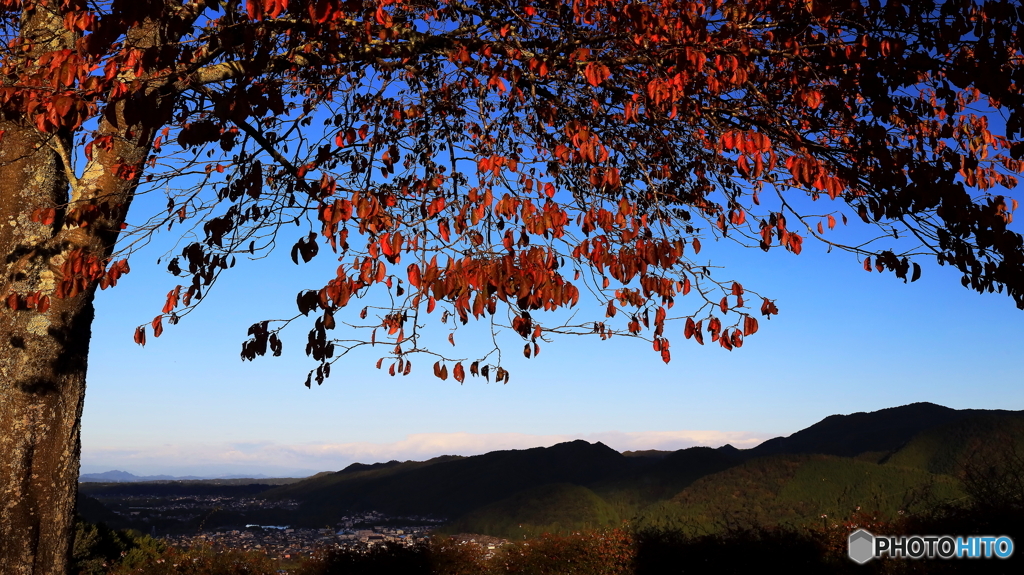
point(749, 325)
point(596, 73)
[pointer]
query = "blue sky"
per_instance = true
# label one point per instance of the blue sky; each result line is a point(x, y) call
point(845, 341)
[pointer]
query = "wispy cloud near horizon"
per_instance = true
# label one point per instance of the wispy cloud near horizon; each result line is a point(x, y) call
point(272, 458)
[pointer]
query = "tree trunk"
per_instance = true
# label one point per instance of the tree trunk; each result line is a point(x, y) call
point(44, 339)
point(42, 365)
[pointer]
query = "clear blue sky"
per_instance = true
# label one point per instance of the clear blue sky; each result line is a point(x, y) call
point(845, 341)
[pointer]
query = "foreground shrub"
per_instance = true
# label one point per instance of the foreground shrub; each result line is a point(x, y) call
point(608, 552)
point(202, 560)
point(744, 551)
point(98, 548)
point(387, 559)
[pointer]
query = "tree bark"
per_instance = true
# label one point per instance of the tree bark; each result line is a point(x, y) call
point(42, 354)
point(42, 365)
point(44, 351)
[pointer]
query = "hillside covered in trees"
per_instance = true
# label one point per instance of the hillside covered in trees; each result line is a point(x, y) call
point(903, 460)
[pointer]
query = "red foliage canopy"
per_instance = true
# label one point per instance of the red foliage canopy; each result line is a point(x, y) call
point(492, 158)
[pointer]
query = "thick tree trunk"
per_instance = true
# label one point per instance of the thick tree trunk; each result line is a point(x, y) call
point(44, 347)
point(42, 366)
point(43, 351)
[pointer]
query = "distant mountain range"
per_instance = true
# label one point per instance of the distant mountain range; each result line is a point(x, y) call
point(887, 460)
point(116, 476)
point(898, 459)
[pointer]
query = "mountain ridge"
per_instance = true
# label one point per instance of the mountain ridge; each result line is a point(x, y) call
point(887, 460)
point(474, 490)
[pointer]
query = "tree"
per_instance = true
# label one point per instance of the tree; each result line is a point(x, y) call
point(467, 158)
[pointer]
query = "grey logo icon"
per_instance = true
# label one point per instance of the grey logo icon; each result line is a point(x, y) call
point(861, 546)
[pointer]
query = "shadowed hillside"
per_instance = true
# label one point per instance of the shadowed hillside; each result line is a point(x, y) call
point(453, 487)
point(664, 476)
point(885, 430)
point(947, 448)
point(552, 508)
point(797, 490)
point(885, 460)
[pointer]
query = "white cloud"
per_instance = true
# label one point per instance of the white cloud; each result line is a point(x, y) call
point(270, 458)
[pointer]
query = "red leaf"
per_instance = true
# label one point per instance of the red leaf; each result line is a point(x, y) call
point(254, 8)
point(275, 7)
point(172, 300)
point(737, 338)
point(596, 73)
point(414, 275)
point(140, 335)
point(749, 325)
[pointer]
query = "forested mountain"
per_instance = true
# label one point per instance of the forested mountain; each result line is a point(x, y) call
point(907, 459)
